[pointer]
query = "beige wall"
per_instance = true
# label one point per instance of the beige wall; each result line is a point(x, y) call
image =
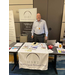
point(63, 19)
point(20, 1)
point(63, 24)
point(15, 5)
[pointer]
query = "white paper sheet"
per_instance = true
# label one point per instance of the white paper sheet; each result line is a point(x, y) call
point(13, 50)
point(18, 44)
point(50, 51)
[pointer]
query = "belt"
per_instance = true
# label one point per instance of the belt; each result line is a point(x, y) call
point(39, 34)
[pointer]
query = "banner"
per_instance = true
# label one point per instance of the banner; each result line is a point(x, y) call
point(31, 57)
point(38, 61)
point(27, 15)
point(12, 35)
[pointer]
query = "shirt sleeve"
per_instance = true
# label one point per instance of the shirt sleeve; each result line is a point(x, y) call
point(46, 30)
point(32, 29)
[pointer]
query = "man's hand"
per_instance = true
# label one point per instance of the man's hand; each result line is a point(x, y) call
point(45, 37)
point(32, 37)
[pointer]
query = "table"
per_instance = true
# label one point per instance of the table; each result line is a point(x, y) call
point(55, 53)
point(15, 54)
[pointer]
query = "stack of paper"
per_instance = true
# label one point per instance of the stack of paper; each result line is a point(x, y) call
point(61, 50)
point(13, 49)
point(18, 44)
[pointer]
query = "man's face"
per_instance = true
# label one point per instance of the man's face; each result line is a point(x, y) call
point(38, 17)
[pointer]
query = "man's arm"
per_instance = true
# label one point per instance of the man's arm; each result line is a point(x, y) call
point(46, 31)
point(32, 30)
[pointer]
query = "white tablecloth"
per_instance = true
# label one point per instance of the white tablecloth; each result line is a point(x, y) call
point(33, 57)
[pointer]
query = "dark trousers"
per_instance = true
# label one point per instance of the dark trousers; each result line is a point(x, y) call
point(39, 38)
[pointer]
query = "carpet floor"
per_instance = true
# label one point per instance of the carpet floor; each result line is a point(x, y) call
point(60, 65)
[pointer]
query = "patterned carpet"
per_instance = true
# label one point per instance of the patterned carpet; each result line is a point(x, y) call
point(60, 65)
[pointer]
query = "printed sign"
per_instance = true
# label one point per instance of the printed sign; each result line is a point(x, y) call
point(30, 58)
point(12, 35)
point(27, 15)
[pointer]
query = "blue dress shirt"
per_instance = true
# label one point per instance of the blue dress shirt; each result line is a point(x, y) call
point(39, 27)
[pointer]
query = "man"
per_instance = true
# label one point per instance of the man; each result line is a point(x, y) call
point(39, 28)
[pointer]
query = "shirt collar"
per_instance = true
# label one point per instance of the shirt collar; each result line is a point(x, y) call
point(39, 21)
